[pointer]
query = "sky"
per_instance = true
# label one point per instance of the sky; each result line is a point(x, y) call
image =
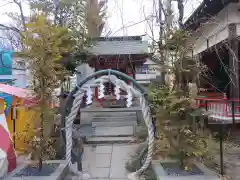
point(129, 14)
point(124, 17)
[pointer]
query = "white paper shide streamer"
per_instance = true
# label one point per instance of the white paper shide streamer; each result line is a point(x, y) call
point(101, 90)
point(89, 96)
point(129, 98)
point(117, 92)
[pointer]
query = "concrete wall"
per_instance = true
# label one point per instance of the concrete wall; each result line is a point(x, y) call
point(215, 30)
point(21, 79)
point(19, 73)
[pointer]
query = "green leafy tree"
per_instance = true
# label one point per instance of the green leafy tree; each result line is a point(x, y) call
point(69, 14)
point(44, 45)
point(181, 142)
point(172, 104)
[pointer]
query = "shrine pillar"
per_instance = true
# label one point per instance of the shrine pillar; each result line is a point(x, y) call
point(233, 61)
point(129, 73)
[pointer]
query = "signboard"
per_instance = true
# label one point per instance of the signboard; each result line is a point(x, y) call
point(146, 69)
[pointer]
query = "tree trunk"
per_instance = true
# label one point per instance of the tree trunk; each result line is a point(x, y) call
point(43, 103)
point(40, 160)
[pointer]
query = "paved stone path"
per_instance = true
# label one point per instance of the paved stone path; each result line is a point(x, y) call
point(231, 163)
point(231, 158)
point(106, 162)
point(104, 158)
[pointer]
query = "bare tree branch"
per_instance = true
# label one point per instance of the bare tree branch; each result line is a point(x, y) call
point(5, 27)
point(19, 4)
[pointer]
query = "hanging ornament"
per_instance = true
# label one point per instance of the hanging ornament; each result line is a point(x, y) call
point(89, 95)
point(101, 90)
point(117, 92)
point(129, 98)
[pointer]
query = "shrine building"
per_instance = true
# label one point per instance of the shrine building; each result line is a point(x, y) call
point(125, 54)
point(215, 28)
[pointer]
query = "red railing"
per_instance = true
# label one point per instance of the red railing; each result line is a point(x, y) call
point(224, 110)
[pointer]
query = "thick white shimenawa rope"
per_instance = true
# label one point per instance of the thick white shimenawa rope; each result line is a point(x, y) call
point(145, 110)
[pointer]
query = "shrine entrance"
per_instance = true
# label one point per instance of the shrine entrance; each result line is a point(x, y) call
point(110, 86)
point(217, 79)
point(84, 88)
point(124, 63)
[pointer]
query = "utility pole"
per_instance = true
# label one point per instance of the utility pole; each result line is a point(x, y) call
point(160, 45)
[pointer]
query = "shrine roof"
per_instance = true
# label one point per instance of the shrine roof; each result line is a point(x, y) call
point(118, 45)
point(206, 10)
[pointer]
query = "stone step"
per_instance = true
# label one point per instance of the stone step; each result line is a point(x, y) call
point(94, 110)
point(103, 130)
point(114, 119)
point(84, 130)
point(109, 140)
point(119, 131)
point(114, 114)
point(114, 123)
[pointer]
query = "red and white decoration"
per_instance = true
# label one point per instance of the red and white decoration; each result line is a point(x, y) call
point(222, 112)
point(8, 160)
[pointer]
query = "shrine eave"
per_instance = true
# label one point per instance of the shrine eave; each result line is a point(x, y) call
point(117, 38)
point(205, 11)
point(144, 55)
point(134, 58)
point(124, 45)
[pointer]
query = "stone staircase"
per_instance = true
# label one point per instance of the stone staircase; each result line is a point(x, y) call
point(117, 126)
point(114, 119)
point(109, 142)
